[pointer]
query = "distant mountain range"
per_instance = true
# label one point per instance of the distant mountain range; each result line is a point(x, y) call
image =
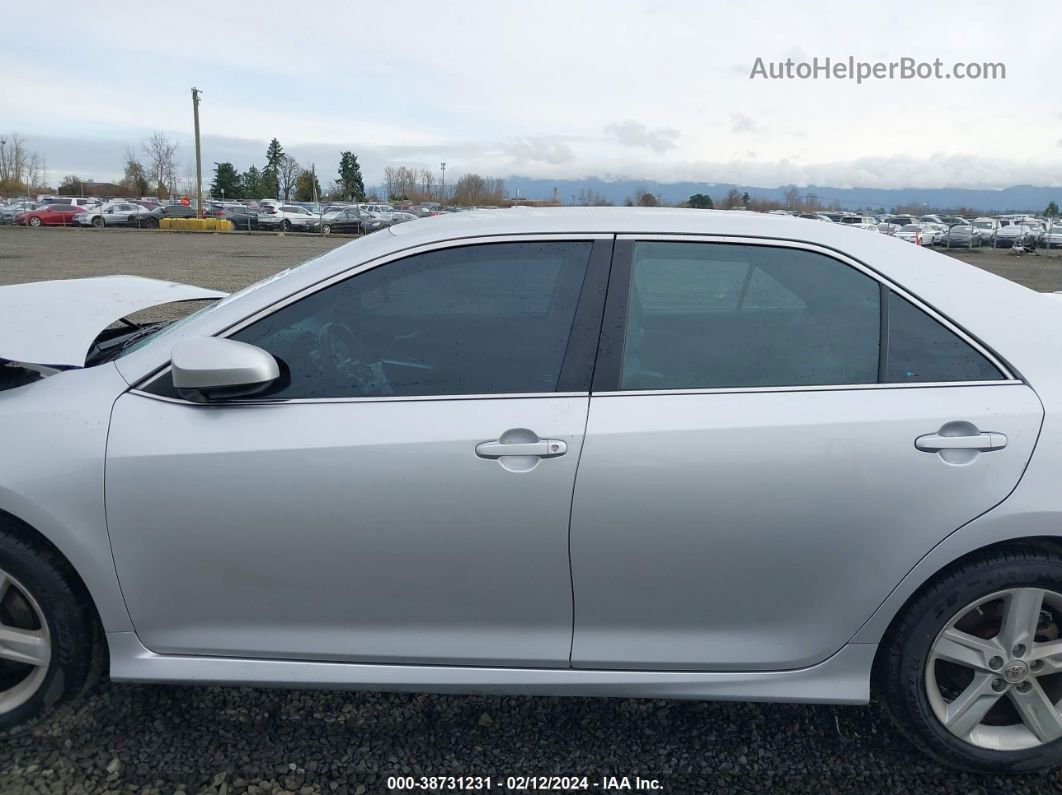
point(1014, 199)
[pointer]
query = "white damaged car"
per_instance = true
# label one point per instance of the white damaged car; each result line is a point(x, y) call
point(612, 452)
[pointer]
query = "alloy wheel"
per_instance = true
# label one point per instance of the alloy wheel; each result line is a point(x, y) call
point(994, 673)
point(25, 644)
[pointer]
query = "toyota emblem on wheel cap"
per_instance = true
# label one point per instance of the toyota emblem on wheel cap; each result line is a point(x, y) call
point(1016, 671)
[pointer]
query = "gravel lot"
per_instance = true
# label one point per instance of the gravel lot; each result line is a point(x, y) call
point(133, 738)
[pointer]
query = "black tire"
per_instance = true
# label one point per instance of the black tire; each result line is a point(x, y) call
point(34, 221)
point(326, 229)
point(151, 223)
point(97, 222)
point(285, 225)
point(901, 664)
point(77, 646)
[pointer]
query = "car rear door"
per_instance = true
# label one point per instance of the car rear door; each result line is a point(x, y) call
point(404, 495)
point(775, 438)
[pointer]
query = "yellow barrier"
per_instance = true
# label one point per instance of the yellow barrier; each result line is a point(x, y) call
point(195, 225)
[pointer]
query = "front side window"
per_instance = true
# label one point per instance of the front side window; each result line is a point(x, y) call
point(472, 320)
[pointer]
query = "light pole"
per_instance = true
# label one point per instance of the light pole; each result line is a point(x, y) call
point(442, 187)
point(198, 158)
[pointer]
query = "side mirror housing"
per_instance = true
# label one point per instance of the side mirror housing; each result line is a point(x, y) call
point(211, 368)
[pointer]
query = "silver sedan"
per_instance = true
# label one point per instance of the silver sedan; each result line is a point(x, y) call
point(659, 453)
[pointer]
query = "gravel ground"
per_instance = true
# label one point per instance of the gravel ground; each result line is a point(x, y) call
point(136, 738)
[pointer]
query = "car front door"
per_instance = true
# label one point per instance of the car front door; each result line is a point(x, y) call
point(402, 495)
point(775, 439)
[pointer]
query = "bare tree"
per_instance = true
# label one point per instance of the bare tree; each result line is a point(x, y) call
point(427, 184)
point(162, 163)
point(588, 197)
point(472, 189)
point(288, 175)
point(13, 158)
point(732, 200)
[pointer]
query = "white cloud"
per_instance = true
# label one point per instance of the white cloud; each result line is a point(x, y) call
point(542, 149)
point(633, 133)
point(740, 123)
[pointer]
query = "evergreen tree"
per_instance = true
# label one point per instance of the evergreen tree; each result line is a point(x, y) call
point(1052, 210)
point(226, 184)
point(271, 172)
point(307, 188)
point(700, 201)
point(350, 177)
point(251, 182)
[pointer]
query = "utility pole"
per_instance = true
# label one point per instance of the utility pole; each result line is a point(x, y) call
point(198, 158)
point(442, 188)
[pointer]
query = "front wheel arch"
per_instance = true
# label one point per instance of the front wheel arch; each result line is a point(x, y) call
point(26, 532)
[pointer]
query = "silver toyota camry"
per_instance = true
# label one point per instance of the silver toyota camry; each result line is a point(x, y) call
point(616, 452)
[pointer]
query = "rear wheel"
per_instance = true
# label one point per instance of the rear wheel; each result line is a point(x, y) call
point(972, 669)
point(285, 225)
point(34, 221)
point(48, 632)
point(326, 229)
point(97, 222)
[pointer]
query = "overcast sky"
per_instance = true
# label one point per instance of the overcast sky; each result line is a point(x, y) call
point(648, 90)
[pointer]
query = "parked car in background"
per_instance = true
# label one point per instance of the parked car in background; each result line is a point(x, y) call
point(912, 233)
point(76, 201)
point(399, 217)
point(382, 211)
point(350, 220)
point(150, 220)
point(287, 218)
point(112, 213)
point(887, 228)
point(426, 209)
point(860, 222)
point(1052, 237)
point(9, 211)
point(814, 216)
point(241, 216)
point(988, 228)
point(49, 215)
point(902, 220)
point(962, 235)
point(1015, 233)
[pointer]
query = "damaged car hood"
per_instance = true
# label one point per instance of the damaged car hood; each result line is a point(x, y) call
point(54, 323)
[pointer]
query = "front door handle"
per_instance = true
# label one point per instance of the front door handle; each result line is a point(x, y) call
point(983, 442)
point(543, 448)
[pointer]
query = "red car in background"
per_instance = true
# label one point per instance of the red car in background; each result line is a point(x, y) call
point(49, 215)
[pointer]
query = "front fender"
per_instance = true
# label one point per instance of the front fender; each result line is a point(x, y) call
point(54, 434)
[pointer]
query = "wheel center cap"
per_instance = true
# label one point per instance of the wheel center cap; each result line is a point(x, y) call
point(1015, 671)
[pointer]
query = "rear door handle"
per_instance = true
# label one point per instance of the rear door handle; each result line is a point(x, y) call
point(544, 448)
point(984, 442)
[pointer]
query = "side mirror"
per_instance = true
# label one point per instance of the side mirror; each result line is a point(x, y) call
point(210, 368)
